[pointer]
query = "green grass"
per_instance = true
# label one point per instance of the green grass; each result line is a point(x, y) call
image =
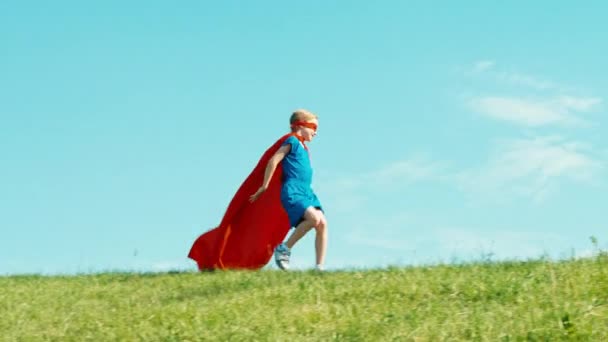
point(537, 300)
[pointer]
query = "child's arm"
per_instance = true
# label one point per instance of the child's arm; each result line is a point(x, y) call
point(270, 167)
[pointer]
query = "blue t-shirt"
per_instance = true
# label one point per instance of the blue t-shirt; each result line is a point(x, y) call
point(296, 192)
point(296, 164)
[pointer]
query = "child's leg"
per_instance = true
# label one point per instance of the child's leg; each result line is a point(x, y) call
point(313, 218)
point(321, 239)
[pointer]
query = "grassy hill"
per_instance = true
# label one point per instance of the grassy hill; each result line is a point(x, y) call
point(509, 301)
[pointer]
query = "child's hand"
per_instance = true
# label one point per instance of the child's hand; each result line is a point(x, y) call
point(257, 194)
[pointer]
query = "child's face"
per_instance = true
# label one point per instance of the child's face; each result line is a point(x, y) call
point(309, 131)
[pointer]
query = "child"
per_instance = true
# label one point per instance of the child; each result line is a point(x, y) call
point(297, 197)
point(253, 226)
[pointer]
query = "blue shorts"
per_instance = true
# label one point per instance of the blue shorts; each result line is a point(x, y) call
point(295, 204)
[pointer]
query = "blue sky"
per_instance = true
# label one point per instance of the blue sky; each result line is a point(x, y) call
point(447, 131)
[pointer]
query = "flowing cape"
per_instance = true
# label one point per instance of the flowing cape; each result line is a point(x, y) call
point(248, 232)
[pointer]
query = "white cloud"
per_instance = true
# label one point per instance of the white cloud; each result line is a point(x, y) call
point(483, 65)
point(163, 265)
point(497, 243)
point(518, 79)
point(554, 107)
point(429, 245)
point(415, 169)
point(340, 200)
point(349, 189)
point(379, 240)
point(586, 253)
point(531, 113)
point(399, 172)
point(532, 168)
point(581, 104)
point(489, 69)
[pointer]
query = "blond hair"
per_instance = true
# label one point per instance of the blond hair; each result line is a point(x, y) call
point(301, 115)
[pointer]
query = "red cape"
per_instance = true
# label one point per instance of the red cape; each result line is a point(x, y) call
point(248, 232)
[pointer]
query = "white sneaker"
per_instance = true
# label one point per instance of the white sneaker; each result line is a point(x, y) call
point(281, 256)
point(319, 268)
